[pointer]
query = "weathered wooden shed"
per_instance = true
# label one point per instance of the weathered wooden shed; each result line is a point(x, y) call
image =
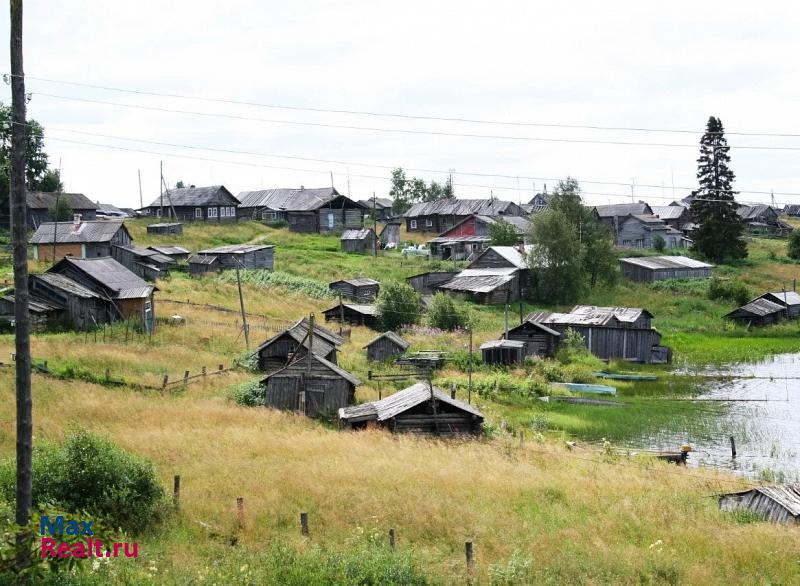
point(417, 409)
point(759, 312)
point(359, 241)
point(778, 504)
point(357, 289)
point(148, 264)
point(200, 264)
point(487, 286)
point(386, 346)
point(789, 300)
point(655, 268)
point(426, 283)
point(354, 314)
point(176, 253)
point(320, 391)
point(44, 314)
point(82, 307)
point(292, 343)
point(246, 256)
point(390, 234)
point(503, 352)
point(165, 228)
point(539, 339)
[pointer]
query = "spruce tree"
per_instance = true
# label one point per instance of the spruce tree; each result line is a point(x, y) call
point(718, 236)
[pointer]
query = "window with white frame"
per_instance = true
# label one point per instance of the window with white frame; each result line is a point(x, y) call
point(428, 222)
point(212, 212)
point(413, 224)
point(232, 212)
point(198, 213)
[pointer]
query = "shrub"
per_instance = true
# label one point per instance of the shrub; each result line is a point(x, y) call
point(733, 291)
point(91, 473)
point(277, 224)
point(572, 347)
point(446, 314)
point(793, 247)
point(398, 305)
point(249, 394)
point(269, 279)
point(659, 243)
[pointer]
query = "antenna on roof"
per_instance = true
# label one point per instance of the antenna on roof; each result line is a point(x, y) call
point(332, 187)
point(141, 203)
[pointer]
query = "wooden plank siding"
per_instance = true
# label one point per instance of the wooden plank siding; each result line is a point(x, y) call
point(383, 349)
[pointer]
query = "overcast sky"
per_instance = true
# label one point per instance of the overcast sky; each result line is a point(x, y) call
point(620, 64)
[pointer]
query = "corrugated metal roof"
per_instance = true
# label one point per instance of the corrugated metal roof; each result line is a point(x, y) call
point(169, 250)
point(484, 283)
point(666, 262)
point(623, 209)
point(758, 307)
point(356, 234)
point(111, 275)
point(402, 401)
point(66, 284)
point(502, 344)
point(357, 282)
point(668, 212)
point(393, 337)
point(86, 232)
point(46, 200)
point(292, 200)
point(464, 207)
point(196, 196)
point(783, 297)
point(236, 249)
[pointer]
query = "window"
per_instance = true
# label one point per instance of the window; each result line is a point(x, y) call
point(232, 212)
point(198, 213)
point(413, 224)
point(639, 243)
point(212, 212)
point(265, 215)
point(626, 243)
point(428, 222)
point(158, 213)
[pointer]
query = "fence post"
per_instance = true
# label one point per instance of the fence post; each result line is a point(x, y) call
point(176, 491)
point(240, 512)
point(733, 447)
point(221, 368)
point(304, 524)
point(470, 553)
point(164, 382)
point(204, 371)
point(391, 539)
point(185, 377)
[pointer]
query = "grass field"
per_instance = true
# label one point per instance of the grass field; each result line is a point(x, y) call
point(538, 512)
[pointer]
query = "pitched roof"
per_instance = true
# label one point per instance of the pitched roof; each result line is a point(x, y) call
point(327, 364)
point(623, 209)
point(502, 344)
point(357, 282)
point(510, 253)
point(463, 207)
point(86, 232)
point(666, 262)
point(391, 336)
point(293, 200)
point(669, 212)
point(147, 254)
point(111, 275)
point(361, 234)
point(66, 284)
point(537, 325)
point(479, 280)
point(196, 196)
point(110, 210)
point(320, 345)
point(402, 401)
point(45, 200)
point(379, 202)
point(321, 331)
point(590, 315)
point(169, 250)
point(754, 212)
point(757, 307)
point(235, 249)
point(787, 298)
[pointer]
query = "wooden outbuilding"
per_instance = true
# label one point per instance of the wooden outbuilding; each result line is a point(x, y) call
point(292, 343)
point(246, 256)
point(174, 228)
point(148, 264)
point(78, 238)
point(417, 409)
point(503, 352)
point(777, 504)
point(789, 300)
point(386, 346)
point(390, 234)
point(200, 265)
point(44, 314)
point(426, 283)
point(354, 314)
point(176, 253)
point(357, 289)
point(655, 268)
point(759, 312)
point(539, 339)
point(320, 390)
point(359, 241)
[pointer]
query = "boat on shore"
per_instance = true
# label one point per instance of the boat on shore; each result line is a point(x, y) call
point(626, 376)
point(585, 388)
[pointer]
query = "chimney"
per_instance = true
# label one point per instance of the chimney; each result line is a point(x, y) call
point(302, 187)
point(76, 222)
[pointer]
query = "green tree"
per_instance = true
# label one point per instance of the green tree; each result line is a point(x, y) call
point(659, 243)
point(599, 254)
point(406, 191)
point(51, 181)
point(793, 247)
point(180, 185)
point(398, 305)
point(718, 236)
point(400, 191)
point(445, 313)
point(503, 234)
point(61, 210)
point(556, 258)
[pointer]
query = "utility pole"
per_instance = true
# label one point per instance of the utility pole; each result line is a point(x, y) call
point(508, 296)
point(22, 341)
point(469, 373)
point(301, 397)
point(141, 202)
point(57, 211)
point(161, 185)
point(241, 306)
point(375, 221)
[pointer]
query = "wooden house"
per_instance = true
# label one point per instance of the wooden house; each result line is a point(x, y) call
point(42, 203)
point(246, 256)
point(789, 300)
point(639, 231)
point(647, 269)
point(360, 241)
point(200, 265)
point(762, 219)
point(503, 352)
point(78, 239)
point(293, 343)
point(320, 390)
point(386, 346)
point(354, 314)
point(320, 210)
point(612, 215)
point(426, 283)
point(148, 264)
point(441, 215)
point(176, 253)
point(174, 228)
point(759, 312)
point(131, 298)
point(378, 208)
point(213, 204)
point(539, 339)
point(496, 275)
point(418, 409)
point(610, 332)
point(792, 209)
point(471, 236)
point(359, 289)
point(777, 504)
point(674, 216)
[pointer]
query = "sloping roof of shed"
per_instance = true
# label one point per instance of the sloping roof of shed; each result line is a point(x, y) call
point(112, 275)
point(516, 344)
point(402, 401)
point(479, 280)
point(622, 209)
point(169, 250)
point(196, 196)
point(354, 234)
point(589, 315)
point(88, 231)
point(36, 304)
point(758, 307)
point(146, 253)
point(668, 212)
point(787, 297)
point(327, 364)
point(357, 282)
point(202, 259)
point(786, 495)
point(45, 200)
point(66, 284)
point(666, 262)
point(538, 325)
point(236, 249)
point(397, 340)
point(320, 345)
point(292, 200)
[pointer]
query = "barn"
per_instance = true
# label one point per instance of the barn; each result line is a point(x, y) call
point(79, 238)
point(426, 283)
point(789, 300)
point(778, 504)
point(539, 339)
point(148, 264)
point(200, 265)
point(418, 409)
point(386, 346)
point(503, 352)
point(655, 268)
point(320, 390)
point(354, 314)
point(357, 289)
point(359, 241)
point(176, 253)
point(759, 312)
point(246, 256)
point(293, 342)
point(174, 228)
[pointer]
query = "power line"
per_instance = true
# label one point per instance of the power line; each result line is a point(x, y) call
point(399, 115)
point(406, 130)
